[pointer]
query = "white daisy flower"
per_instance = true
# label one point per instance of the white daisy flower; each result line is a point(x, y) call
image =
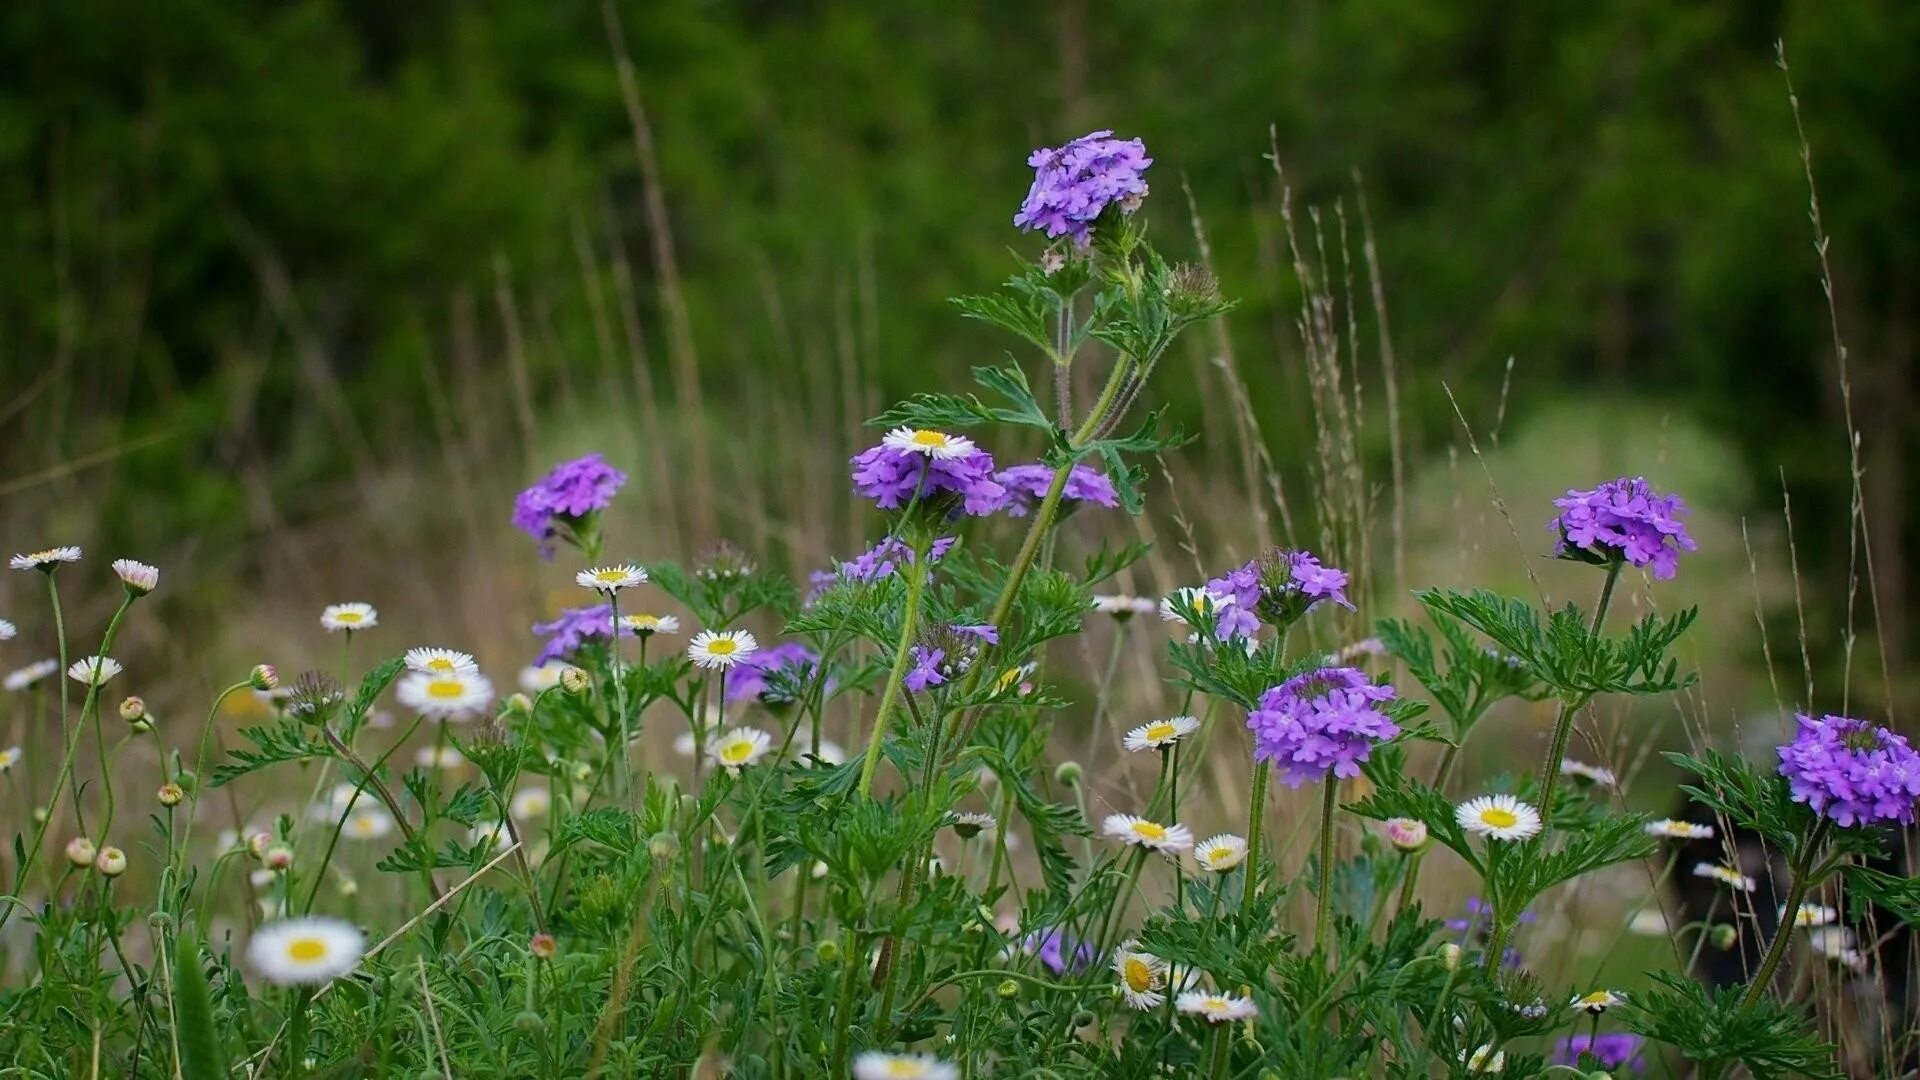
point(1649, 922)
point(349, 617)
point(1593, 774)
point(1122, 606)
point(305, 952)
point(1216, 1008)
point(435, 661)
point(438, 757)
point(611, 578)
point(530, 802)
point(1810, 915)
point(971, 823)
point(831, 753)
point(935, 444)
point(874, 1065)
point(1725, 875)
point(1597, 1002)
point(647, 625)
point(1220, 853)
point(1161, 733)
point(341, 798)
point(545, 676)
point(94, 670)
point(739, 748)
point(1679, 830)
point(44, 560)
point(9, 758)
point(1143, 976)
point(137, 576)
point(1202, 602)
point(722, 649)
point(1501, 817)
point(1147, 834)
point(21, 678)
point(444, 697)
point(1484, 1060)
point(8, 631)
point(493, 834)
point(368, 823)
point(683, 744)
point(1837, 944)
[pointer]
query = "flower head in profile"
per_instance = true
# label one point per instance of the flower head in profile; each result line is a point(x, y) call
point(1729, 876)
point(1853, 772)
point(1216, 1008)
point(773, 675)
point(434, 661)
point(934, 444)
point(1074, 184)
point(349, 617)
point(1121, 606)
point(8, 631)
point(1160, 733)
point(1221, 853)
point(611, 579)
point(305, 952)
point(874, 1065)
point(1321, 723)
point(94, 670)
point(1498, 817)
point(956, 477)
point(1810, 915)
point(450, 696)
point(1197, 607)
point(1674, 829)
point(1152, 835)
point(647, 625)
point(48, 560)
point(971, 823)
point(1622, 520)
point(564, 503)
point(1613, 1050)
point(1597, 1001)
point(1484, 1059)
point(1592, 774)
point(1027, 485)
point(139, 578)
point(1143, 976)
point(1405, 834)
point(9, 757)
point(719, 650)
point(21, 678)
point(739, 748)
point(1838, 945)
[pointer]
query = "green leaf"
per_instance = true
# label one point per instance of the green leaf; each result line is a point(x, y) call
point(375, 684)
point(287, 740)
point(200, 1052)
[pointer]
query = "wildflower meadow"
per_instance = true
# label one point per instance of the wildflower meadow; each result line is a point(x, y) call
point(910, 814)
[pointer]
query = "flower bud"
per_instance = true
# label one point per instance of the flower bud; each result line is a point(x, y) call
point(1406, 834)
point(133, 710)
point(1450, 956)
point(80, 852)
point(663, 846)
point(1083, 1018)
point(160, 920)
point(574, 681)
point(1724, 936)
point(277, 857)
point(348, 887)
point(111, 862)
point(39, 815)
point(1008, 989)
point(542, 946)
point(520, 704)
point(141, 726)
point(170, 794)
point(257, 844)
point(828, 951)
point(139, 578)
point(529, 1023)
point(1068, 773)
point(264, 677)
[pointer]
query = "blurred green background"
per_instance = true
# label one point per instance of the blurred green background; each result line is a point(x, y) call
point(294, 295)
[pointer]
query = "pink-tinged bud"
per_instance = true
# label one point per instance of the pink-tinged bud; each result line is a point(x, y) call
point(257, 844)
point(171, 794)
point(139, 578)
point(80, 852)
point(133, 710)
point(264, 677)
point(543, 946)
point(112, 862)
point(1406, 834)
point(277, 857)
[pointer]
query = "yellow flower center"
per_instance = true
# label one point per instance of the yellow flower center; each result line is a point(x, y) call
point(1149, 831)
point(1220, 854)
point(1139, 975)
point(1598, 997)
point(306, 950)
point(608, 577)
point(643, 622)
point(446, 689)
point(1161, 730)
point(907, 1069)
point(440, 664)
point(723, 646)
point(1498, 818)
point(932, 440)
point(348, 617)
point(736, 752)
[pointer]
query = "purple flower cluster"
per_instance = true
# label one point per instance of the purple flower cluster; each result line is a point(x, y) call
point(574, 629)
point(1614, 1050)
point(947, 655)
point(893, 478)
point(1051, 947)
point(1280, 587)
point(1072, 184)
point(570, 493)
point(749, 678)
point(885, 557)
point(1321, 722)
point(1027, 485)
point(1853, 771)
point(1623, 519)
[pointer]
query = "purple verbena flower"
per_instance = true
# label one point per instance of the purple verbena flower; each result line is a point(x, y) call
point(566, 497)
point(749, 678)
point(1278, 587)
point(1622, 519)
point(954, 476)
point(1614, 1050)
point(1853, 771)
point(883, 558)
point(1072, 184)
point(1051, 947)
point(575, 628)
point(1027, 485)
point(948, 652)
point(926, 670)
point(1321, 722)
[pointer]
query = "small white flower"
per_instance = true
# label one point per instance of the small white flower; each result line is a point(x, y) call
point(1679, 830)
point(137, 576)
point(434, 661)
point(1147, 834)
point(546, 676)
point(1649, 922)
point(94, 670)
point(874, 1065)
point(8, 631)
point(349, 617)
point(1837, 944)
point(367, 823)
point(9, 758)
point(831, 753)
point(683, 744)
point(1484, 1060)
point(1143, 976)
point(610, 579)
point(305, 952)
point(21, 678)
point(445, 697)
point(438, 757)
point(492, 834)
point(530, 802)
point(1203, 604)
point(1220, 853)
point(935, 444)
point(739, 748)
point(971, 823)
point(1591, 773)
point(1216, 1008)
point(44, 560)
point(1161, 733)
point(647, 625)
point(1501, 817)
point(1810, 915)
point(1597, 1002)
point(1122, 606)
point(1725, 875)
point(721, 650)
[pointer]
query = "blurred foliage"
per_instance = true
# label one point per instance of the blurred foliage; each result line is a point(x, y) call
point(280, 233)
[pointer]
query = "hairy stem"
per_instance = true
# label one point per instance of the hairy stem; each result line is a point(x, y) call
point(1796, 894)
point(902, 654)
point(1323, 902)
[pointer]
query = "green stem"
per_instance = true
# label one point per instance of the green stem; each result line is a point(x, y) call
point(1220, 1041)
point(1255, 814)
point(843, 1012)
point(1323, 903)
point(902, 654)
point(1563, 723)
point(1783, 934)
